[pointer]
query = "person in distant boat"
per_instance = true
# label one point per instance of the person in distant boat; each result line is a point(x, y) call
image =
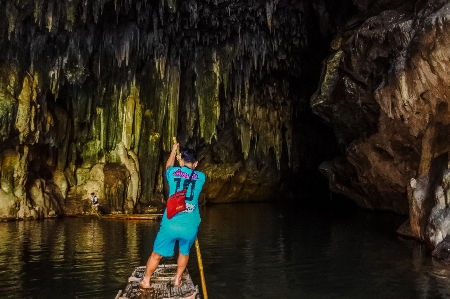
point(94, 203)
point(183, 227)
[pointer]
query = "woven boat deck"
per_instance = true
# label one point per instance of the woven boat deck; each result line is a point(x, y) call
point(161, 285)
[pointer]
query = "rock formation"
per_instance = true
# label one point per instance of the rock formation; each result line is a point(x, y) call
point(384, 90)
point(92, 92)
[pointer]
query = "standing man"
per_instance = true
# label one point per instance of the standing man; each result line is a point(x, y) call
point(183, 227)
point(94, 202)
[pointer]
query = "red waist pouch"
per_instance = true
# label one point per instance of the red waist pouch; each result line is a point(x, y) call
point(176, 203)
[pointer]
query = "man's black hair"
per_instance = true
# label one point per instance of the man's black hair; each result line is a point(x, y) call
point(189, 155)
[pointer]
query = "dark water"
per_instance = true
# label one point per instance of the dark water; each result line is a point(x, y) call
point(248, 250)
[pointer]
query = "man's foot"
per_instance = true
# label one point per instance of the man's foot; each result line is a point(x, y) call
point(144, 284)
point(177, 282)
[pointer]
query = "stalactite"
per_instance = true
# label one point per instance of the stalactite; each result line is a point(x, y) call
point(84, 13)
point(37, 12)
point(269, 13)
point(227, 54)
point(70, 11)
point(8, 83)
point(49, 16)
point(12, 13)
point(172, 5)
point(207, 87)
point(96, 7)
point(129, 117)
point(193, 13)
point(264, 121)
point(161, 11)
point(126, 40)
point(26, 108)
point(137, 127)
point(111, 117)
point(173, 85)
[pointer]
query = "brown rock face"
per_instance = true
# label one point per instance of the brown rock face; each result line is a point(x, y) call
point(385, 90)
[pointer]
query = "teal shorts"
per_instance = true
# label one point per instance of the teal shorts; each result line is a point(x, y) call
point(167, 236)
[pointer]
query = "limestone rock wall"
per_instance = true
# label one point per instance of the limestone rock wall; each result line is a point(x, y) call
point(92, 92)
point(385, 89)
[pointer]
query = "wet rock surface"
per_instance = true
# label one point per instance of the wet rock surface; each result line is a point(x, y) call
point(384, 90)
point(442, 251)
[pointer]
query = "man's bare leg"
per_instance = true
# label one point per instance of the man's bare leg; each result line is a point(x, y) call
point(152, 264)
point(181, 265)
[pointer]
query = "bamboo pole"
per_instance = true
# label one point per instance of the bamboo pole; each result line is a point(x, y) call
point(200, 267)
point(199, 254)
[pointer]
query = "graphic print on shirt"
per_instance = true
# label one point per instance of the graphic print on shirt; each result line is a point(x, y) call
point(186, 184)
point(188, 181)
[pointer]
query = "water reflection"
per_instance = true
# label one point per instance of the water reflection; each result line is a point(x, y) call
point(248, 250)
point(69, 258)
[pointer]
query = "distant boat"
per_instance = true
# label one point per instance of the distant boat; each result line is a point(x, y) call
point(161, 285)
point(121, 216)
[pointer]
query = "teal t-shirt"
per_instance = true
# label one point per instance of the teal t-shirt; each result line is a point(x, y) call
point(178, 179)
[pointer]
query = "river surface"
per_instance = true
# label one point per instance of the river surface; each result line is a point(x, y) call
point(257, 250)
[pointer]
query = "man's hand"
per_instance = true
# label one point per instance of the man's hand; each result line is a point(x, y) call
point(176, 148)
point(173, 154)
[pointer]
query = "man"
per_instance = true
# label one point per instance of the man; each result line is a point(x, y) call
point(183, 227)
point(94, 202)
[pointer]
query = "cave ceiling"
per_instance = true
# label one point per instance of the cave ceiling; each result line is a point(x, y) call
point(78, 41)
point(87, 54)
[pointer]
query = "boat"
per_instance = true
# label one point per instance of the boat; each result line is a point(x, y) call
point(132, 216)
point(161, 285)
point(120, 216)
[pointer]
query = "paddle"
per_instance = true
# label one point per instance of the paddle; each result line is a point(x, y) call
point(197, 249)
